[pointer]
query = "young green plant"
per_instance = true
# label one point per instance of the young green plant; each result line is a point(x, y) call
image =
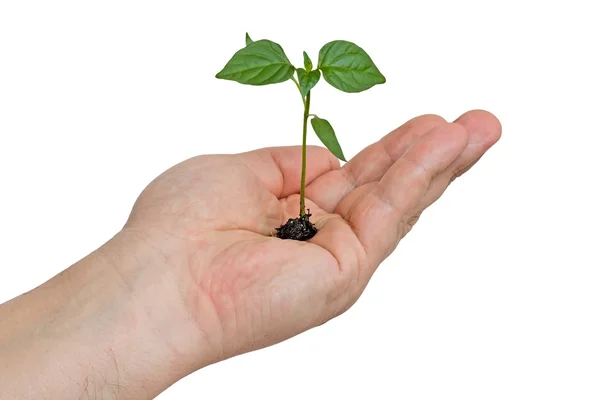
point(343, 64)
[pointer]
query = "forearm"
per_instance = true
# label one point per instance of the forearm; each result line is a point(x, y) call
point(90, 331)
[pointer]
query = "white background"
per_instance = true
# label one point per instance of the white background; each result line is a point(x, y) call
point(496, 292)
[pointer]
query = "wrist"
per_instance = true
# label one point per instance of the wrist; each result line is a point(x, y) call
point(112, 322)
point(156, 332)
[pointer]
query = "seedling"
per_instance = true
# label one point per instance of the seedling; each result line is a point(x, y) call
point(344, 65)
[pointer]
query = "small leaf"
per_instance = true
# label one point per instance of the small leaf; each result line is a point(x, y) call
point(307, 62)
point(259, 63)
point(347, 67)
point(307, 80)
point(325, 132)
point(248, 40)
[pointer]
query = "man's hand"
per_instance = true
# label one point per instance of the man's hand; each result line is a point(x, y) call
point(198, 273)
point(245, 289)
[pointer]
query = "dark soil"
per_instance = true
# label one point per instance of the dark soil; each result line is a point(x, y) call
point(297, 228)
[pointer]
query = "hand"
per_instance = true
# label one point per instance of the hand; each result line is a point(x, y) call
point(212, 218)
point(196, 276)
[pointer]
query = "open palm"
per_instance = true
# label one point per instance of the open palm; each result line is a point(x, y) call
point(213, 217)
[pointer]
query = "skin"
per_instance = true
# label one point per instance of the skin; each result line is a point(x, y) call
point(195, 276)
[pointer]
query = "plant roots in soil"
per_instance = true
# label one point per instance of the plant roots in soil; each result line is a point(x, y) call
point(297, 228)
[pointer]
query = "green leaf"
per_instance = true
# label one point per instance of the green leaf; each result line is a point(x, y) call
point(307, 62)
point(347, 67)
point(259, 63)
point(325, 132)
point(307, 80)
point(248, 40)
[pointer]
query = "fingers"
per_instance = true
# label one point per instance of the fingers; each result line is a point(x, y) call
point(279, 168)
point(484, 131)
point(380, 215)
point(370, 164)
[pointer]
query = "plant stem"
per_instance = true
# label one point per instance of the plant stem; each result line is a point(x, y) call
point(303, 177)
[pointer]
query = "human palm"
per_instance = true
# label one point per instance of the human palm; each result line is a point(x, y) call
point(213, 217)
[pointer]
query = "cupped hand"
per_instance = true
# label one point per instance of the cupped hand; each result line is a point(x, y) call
point(234, 286)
